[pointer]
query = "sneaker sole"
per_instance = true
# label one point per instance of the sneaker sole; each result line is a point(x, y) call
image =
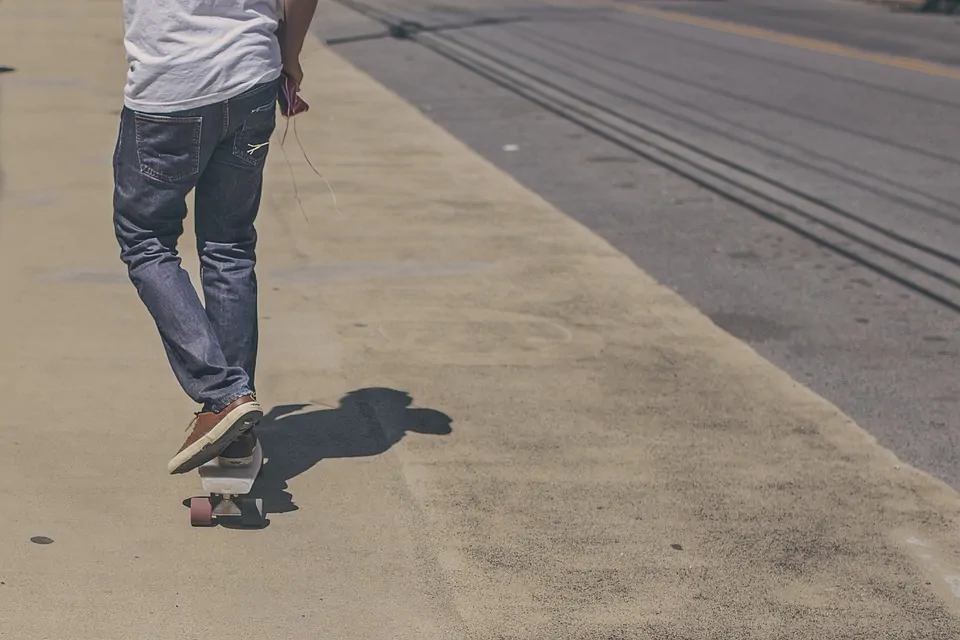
point(219, 438)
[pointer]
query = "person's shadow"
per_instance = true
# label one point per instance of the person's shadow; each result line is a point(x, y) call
point(367, 423)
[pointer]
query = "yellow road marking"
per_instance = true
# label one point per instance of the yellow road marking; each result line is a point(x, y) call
point(799, 42)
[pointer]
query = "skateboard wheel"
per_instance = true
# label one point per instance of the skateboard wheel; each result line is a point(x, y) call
point(201, 512)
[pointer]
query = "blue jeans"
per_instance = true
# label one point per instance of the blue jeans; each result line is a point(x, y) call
point(219, 151)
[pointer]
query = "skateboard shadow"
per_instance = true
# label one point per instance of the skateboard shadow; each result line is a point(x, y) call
point(367, 423)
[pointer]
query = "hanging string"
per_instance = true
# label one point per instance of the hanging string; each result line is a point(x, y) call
point(291, 105)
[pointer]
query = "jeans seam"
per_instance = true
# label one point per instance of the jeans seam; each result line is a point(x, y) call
point(118, 153)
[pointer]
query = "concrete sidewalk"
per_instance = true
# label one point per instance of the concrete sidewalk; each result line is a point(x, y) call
point(585, 455)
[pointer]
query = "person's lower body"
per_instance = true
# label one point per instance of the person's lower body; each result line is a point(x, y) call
point(217, 151)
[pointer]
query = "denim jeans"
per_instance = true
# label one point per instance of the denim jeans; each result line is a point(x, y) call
point(218, 151)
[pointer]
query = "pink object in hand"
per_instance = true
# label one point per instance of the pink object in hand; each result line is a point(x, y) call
point(291, 103)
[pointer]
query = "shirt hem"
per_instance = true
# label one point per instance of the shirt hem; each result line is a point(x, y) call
point(202, 101)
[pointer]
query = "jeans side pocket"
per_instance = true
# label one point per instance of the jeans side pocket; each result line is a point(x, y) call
point(168, 147)
point(252, 140)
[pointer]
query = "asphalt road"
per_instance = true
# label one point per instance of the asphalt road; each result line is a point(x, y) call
point(804, 196)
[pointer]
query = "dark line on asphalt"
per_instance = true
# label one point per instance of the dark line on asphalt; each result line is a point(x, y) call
point(893, 235)
point(582, 118)
point(933, 155)
point(400, 31)
point(557, 47)
point(612, 15)
point(742, 169)
point(552, 45)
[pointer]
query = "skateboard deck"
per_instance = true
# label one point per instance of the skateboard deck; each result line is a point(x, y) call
point(227, 487)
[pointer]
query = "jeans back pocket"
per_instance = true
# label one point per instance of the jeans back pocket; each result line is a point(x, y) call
point(252, 140)
point(168, 147)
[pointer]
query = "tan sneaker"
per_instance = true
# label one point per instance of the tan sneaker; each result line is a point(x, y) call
point(213, 432)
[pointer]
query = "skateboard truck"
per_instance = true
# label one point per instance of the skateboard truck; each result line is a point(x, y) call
point(226, 507)
point(227, 488)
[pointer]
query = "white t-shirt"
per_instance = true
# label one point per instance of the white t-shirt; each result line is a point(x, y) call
point(184, 54)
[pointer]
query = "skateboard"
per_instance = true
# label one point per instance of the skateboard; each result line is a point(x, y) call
point(228, 487)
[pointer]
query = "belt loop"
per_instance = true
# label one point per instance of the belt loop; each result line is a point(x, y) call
point(226, 119)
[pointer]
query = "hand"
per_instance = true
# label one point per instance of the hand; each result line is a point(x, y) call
point(291, 103)
point(294, 71)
